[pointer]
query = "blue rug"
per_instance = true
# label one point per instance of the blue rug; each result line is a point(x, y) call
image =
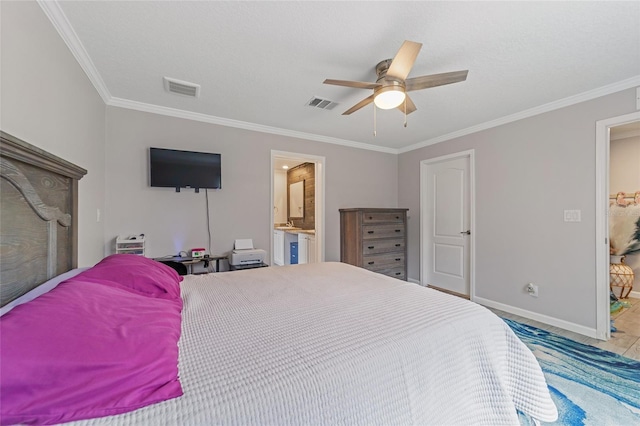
point(590, 386)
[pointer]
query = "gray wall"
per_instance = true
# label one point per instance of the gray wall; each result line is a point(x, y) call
point(527, 173)
point(174, 221)
point(48, 101)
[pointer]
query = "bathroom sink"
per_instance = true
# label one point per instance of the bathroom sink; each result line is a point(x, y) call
point(287, 228)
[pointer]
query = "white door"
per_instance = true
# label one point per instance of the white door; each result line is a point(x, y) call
point(446, 224)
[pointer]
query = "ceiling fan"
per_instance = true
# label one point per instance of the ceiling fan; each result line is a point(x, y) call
point(390, 90)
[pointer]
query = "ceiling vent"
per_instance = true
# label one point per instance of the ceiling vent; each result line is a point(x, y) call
point(321, 103)
point(181, 87)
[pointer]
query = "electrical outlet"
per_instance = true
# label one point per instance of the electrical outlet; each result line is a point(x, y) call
point(532, 289)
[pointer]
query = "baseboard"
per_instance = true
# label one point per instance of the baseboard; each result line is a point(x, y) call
point(635, 294)
point(411, 280)
point(565, 325)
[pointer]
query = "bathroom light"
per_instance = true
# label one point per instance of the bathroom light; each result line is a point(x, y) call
point(389, 97)
point(285, 167)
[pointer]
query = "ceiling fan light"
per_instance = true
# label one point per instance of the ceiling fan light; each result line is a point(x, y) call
point(390, 98)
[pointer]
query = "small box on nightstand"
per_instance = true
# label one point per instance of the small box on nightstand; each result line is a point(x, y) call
point(197, 253)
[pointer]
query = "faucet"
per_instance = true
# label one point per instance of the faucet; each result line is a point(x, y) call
point(290, 224)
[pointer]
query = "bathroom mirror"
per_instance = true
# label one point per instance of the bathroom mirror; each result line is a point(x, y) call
point(296, 199)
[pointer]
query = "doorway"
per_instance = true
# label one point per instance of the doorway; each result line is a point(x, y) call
point(603, 146)
point(447, 219)
point(279, 207)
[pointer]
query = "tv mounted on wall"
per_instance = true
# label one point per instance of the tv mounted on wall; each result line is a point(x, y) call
point(171, 168)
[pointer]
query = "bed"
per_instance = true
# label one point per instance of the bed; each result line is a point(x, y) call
point(130, 342)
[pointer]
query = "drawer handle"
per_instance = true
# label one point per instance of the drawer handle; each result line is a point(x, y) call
point(398, 273)
point(370, 217)
point(398, 259)
point(397, 217)
point(398, 230)
point(398, 245)
point(371, 247)
point(369, 232)
point(371, 263)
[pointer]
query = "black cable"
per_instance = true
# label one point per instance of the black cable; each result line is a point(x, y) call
point(206, 196)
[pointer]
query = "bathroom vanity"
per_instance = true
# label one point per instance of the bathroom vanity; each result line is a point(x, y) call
point(303, 251)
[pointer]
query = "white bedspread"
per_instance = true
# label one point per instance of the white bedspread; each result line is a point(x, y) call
point(331, 344)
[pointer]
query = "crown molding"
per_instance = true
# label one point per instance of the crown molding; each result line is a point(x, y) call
point(196, 116)
point(60, 22)
point(551, 106)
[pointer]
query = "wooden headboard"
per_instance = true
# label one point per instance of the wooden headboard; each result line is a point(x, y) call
point(38, 216)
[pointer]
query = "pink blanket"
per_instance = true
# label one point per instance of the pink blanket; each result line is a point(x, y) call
point(90, 348)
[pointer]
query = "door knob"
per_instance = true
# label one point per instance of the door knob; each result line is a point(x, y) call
point(468, 232)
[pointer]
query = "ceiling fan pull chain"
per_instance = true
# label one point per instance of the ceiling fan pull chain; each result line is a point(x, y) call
point(405, 111)
point(375, 133)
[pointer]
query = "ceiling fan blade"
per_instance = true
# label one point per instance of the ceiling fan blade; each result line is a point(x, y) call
point(362, 103)
point(356, 84)
point(404, 59)
point(410, 105)
point(434, 80)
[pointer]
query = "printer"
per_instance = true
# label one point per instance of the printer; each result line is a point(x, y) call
point(245, 254)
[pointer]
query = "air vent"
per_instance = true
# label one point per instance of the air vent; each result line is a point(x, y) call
point(321, 103)
point(181, 87)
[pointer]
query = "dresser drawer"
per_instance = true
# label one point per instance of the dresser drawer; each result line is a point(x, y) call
point(382, 246)
point(379, 217)
point(383, 261)
point(382, 231)
point(397, 272)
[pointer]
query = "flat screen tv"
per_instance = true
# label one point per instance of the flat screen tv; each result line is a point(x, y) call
point(171, 168)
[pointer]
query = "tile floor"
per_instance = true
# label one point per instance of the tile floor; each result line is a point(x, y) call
point(625, 341)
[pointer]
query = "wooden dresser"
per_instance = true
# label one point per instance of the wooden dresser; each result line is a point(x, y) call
point(375, 239)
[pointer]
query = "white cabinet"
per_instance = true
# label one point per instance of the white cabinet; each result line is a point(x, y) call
point(303, 242)
point(306, 248)
point(311, 250)
point(278, 247)
point(133, 244)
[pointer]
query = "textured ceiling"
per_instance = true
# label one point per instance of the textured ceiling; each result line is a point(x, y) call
point(258, 63)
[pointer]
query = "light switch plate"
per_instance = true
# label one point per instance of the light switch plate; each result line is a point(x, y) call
point(572, 215)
